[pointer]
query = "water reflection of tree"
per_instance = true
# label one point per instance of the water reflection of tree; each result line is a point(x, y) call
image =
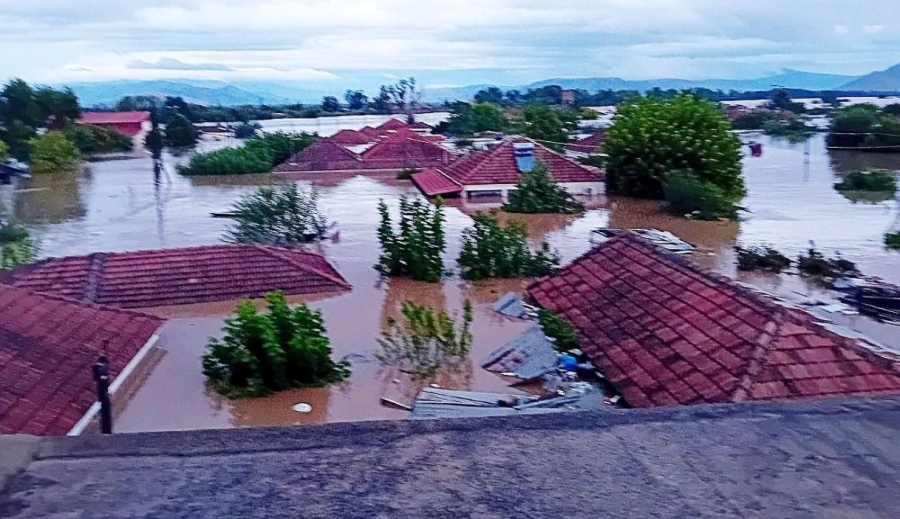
point(49, 198)
point(630, 213)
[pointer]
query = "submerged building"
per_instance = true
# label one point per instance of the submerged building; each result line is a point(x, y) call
point(497, 170)
point(665, 332)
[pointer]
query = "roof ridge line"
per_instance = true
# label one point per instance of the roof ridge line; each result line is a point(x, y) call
point(558, 154)
point(100, 306)
point(94, 281)
point(277, 252)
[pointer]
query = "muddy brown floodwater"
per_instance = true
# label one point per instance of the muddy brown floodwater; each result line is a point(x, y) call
point(115, 206)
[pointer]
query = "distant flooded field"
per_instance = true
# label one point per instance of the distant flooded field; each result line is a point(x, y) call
point(115, 206)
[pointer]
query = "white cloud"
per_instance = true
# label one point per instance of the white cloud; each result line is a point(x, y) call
point(309, 40)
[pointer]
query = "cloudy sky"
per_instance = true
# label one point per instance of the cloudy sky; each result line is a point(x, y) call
point(321, 42)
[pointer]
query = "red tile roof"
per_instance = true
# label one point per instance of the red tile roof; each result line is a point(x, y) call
point(152, 278)
point(47, 346)
point(419, 125)
point(590, 145)
point(404, 150)
point(391, 124)
point(665, 332)
point(433, 183)
point(322, 155)
point(497, 165)
point(349, 138)
point(113, 117)
point(369, 132)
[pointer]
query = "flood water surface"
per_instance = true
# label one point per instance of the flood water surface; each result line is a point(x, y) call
point(116, 206)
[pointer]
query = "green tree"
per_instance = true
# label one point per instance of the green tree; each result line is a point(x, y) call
point(330, 104)
point(180, 132)
point(489, 118)
point(16, 245)
point(851, 126)
point(257, 155)
point(17, 103)
point(651, 138)
point(4, 151)
point(59, 109)
point(543, 124)
point(492, 95)
point(263, 353)
point(490, 250)
point(425, 341)
point(356, 99)
point(53, 152)
point(536, 192)
point(563, 336)
point(415, 249)
point(287, 216)
point(781, 100)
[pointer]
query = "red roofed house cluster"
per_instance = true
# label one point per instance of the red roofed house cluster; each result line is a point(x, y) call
point(497, 170)
point(52, 327)
point(663, 332)
point(126, 123)
point(588, 146)
point(393, 145)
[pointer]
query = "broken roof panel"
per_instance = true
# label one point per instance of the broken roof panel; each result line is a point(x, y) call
point(434, 403)
point(510, 305)
point(530, 356)
point(665, 332)
point(434, 183)
point(152, 278)
point(47, 347)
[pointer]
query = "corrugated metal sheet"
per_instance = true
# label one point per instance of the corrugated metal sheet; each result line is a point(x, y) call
point(529, 356)
point(444, 403)
point(510, 305)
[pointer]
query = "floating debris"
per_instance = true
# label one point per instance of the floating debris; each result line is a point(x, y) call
point(444, 403)
point(528, 356)
point(663, 239)
point(511, 305)
point(302, 408)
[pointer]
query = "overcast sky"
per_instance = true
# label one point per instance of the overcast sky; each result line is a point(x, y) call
point(453, 42)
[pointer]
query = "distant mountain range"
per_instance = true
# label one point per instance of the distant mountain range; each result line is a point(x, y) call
point(106, 93)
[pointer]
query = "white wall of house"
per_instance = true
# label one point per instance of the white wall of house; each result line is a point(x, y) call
point(575, 188)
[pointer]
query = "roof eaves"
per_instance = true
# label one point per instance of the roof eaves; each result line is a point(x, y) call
point(280, 254)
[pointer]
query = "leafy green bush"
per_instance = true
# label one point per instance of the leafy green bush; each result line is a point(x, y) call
point(490, 250)
point(91, 139)
point(816, 265)
point(4, 151)
point(278, 350)
point(892, 240)
point(549, 126)
point(875, 181)
point(556, 328)
point(415, 250)
point(653, 137)
point(53, 152)
point(16, 246)
point(792, 130)
point(761, 258)
point(862, 126)
point(257, 155)
point(536, 192)
point(407, 173)
point(688, 195)
point(286, 216)
point(425, 341)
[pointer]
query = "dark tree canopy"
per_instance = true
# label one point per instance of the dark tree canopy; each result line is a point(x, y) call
point(180, 132)
point(356, 99)
point(331, 104)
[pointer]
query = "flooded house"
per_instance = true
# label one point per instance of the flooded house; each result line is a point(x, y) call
point(129, 124)
point(497, 170)
point(47, 346)
point(665, 332)
point(587, 147)
point(395, 146)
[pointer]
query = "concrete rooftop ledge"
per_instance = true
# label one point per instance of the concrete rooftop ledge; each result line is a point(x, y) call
point(833, 458)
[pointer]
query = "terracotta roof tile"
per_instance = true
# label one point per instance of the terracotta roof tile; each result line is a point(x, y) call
point(350, 138)
point(592, 144)
point(322, 155)
point(46, 384)
point(497, 165)
point(707, 340)
point(151, 278)
point(113, 117)
point(391, 124)
point(405, 150)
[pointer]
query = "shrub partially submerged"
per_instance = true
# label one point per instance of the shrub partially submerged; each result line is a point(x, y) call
point(688, 195)
point(278, 350)
point(415, 249)
point(286, 216)
point(257, 155)
point(814, 264)
point(493, 251)
point(892, 240)
point(868, 181)
point(564, 337)
point(761, 258)
point(536, 192)
point(425, 341)
point(16, 246)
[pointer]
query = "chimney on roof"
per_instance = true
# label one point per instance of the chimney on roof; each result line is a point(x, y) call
point(524, 154)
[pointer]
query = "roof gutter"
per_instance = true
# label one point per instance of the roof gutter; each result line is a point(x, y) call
point(132, 365)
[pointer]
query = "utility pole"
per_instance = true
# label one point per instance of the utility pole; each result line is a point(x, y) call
point(101, 376)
